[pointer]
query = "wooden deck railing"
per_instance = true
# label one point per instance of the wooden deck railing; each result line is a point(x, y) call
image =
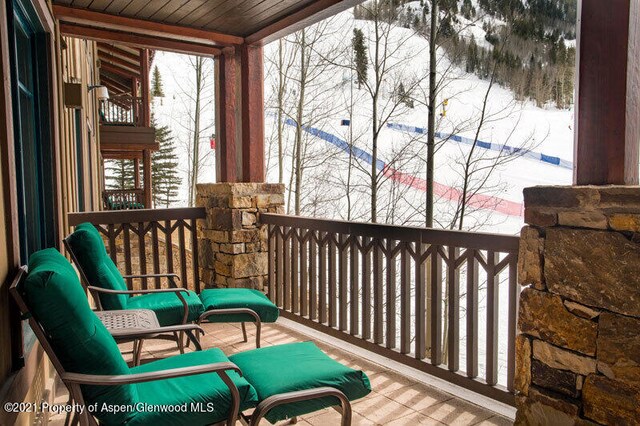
point(444, 302)
point(122, 110)
point(150, 242)
point(123, 199)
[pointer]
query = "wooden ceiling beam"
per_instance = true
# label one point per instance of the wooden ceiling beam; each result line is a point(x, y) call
point(145, 42)
point(113, 90)
point(144, 27)
point(308, 15)
point(116, 69)
point(111, 54)
point(114, 60)
point(119, 85)
point(109, 47)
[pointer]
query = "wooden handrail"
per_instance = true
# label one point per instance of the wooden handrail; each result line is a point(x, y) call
point(474, 240)
point(136, 216)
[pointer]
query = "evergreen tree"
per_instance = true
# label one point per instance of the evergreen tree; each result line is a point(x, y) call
point(360, 56)
point(165, 180)
point(119, 174)
point(156, 83)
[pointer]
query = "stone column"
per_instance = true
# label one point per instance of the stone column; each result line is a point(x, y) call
point(232, 243)
point(578, 354)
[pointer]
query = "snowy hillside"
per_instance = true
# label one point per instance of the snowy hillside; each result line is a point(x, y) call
point(329, 95)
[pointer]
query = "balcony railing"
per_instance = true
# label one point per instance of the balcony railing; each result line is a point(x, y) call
point(123, 199)
point(444, 302)
point(150, 242)
point(122, 110)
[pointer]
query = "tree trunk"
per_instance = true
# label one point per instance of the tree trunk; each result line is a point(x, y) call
point(431, 126)
point(280, 107)
point(299, 118)
point(195, 164)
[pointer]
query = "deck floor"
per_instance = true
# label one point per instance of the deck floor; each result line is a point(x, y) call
point(395, 399)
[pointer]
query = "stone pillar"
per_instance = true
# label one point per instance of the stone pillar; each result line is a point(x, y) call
point(232, 244)
point(578, 354)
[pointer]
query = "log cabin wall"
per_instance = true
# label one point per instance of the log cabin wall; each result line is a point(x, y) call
point(79, 64)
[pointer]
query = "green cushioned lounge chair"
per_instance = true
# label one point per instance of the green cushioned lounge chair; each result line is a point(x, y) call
point(172, 306)
point(196, 388)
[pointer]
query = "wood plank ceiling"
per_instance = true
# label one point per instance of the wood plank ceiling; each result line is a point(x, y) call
point(240, 18)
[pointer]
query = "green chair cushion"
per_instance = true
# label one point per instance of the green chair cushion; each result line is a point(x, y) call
point(168, 307)
point(207, 389)
point(225, 298)
point(298, 366)
point(58, 302)
point(89, 250)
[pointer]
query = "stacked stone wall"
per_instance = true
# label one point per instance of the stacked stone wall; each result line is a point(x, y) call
point(578, 354)
point(233, 245)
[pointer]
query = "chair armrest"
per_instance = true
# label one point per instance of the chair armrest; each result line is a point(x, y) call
point(126, 379)
point(303, 395)
point(150, 290)
point(152, 276)
point(178, 291)
point(76, 379)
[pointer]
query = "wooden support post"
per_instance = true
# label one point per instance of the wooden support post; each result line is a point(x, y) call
point(136, 171)
point(252, 99)
point(226, 159)
point(144, 87)
point(608, 93)
point(146, 158)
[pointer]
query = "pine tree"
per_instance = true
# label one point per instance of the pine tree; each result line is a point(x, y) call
point(119, 174)
point(165, 180)
point(360, 56)
point(156, 83)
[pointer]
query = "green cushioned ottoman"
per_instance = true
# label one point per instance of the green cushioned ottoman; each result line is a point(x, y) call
point(230, 298)
point(294, 367)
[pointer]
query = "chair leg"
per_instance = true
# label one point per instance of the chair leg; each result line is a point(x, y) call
point(137, 355)
point(258, 329)
point(67, 418)
point(244, 332)
point(181, 341)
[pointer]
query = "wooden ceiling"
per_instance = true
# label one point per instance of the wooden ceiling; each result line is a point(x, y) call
point(194, 26)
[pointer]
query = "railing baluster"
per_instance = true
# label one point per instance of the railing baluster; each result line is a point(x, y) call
point(287, 269)
point(492, 319)
point(304, 274)
point(366, 289)
point(142, 254)
point(279, 266)
point(155, 246)
point(126, 240)
point(333, 295)
point(344, 286)
point(313, 274)
point(472, 314)
point(391, 295)
point(405, 300)
point(353, 282)
point(295, 282)
point(421, 300)
point(113, 252)
point(183, 255)
point(512, 327)
point(322, 294)
point(436, 306)
point(378, 303)
point(271, 260)
point(169, 245)
point(453, 310)
point(194, 256)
